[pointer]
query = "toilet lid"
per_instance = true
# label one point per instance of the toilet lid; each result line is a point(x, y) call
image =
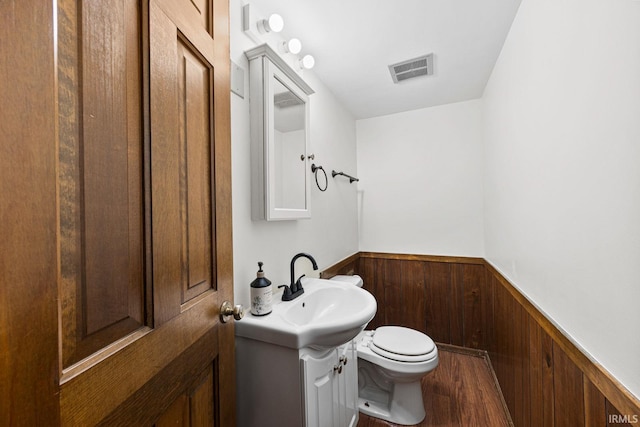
point(403, 344)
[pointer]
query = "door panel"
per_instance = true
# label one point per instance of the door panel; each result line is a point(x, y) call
point(100, 175)
point(177, 414)
point(204, 9)
point(201, 399)
point(111, 182)
point(195, 407)
point(196, 118)
point(181, 163)
point(195, 121)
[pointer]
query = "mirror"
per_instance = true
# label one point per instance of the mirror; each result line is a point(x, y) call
point(290, 148)
point(279, 108)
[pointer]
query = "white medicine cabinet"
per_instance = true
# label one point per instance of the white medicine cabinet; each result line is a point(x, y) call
point(279, 108)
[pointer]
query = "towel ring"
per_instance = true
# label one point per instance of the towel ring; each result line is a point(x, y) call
point(315, 170)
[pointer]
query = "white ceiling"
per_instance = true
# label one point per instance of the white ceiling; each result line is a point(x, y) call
point(354, 41)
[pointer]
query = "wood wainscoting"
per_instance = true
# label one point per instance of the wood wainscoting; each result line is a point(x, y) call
point(545, 379)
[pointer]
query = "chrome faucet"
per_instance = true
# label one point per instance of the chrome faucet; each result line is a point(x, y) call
point(295, 289)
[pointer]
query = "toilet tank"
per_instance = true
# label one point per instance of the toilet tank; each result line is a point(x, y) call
point(350, 280)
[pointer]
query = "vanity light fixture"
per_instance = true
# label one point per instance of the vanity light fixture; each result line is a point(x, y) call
point(307, 62)
point(293, 46)
point(274, 23)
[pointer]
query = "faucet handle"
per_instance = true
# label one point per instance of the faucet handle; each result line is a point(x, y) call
point(298, 283)
point(287, 292)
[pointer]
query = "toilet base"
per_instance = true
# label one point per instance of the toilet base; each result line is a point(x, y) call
point(405, 407)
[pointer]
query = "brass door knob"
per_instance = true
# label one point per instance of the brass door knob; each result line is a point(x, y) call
point(227, 310)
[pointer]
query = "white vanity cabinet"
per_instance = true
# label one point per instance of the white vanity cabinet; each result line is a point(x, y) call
point(288, 387)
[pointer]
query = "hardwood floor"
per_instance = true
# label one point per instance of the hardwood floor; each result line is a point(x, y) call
point(461, 391)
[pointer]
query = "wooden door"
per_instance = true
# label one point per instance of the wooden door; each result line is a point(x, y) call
point(116, 210)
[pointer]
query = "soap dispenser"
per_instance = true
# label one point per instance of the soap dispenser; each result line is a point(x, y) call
point(261, 294)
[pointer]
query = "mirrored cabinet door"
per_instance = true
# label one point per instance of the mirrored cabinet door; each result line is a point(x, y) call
point(288, 153)
point(279, 138)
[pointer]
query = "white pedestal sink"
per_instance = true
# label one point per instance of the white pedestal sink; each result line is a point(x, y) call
point(327, 315)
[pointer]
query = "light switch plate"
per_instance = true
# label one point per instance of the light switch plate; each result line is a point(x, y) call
point(237, 79)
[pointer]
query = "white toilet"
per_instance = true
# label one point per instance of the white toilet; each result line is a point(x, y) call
point(391, 362)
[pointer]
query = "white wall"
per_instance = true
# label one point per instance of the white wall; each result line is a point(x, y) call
point(562, 162)
point(331, 234)
point(420, 188)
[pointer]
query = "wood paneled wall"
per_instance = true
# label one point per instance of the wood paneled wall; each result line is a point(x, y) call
point(545, 379)
point(442, 297)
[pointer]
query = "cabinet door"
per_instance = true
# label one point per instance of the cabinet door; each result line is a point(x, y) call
point(349, 385)
point(321, 394)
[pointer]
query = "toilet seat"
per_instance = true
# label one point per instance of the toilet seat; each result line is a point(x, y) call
point(402, 344)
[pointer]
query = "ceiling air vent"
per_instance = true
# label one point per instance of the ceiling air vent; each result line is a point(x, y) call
point(422, 66)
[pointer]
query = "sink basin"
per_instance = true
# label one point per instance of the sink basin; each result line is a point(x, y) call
point(327, 315)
